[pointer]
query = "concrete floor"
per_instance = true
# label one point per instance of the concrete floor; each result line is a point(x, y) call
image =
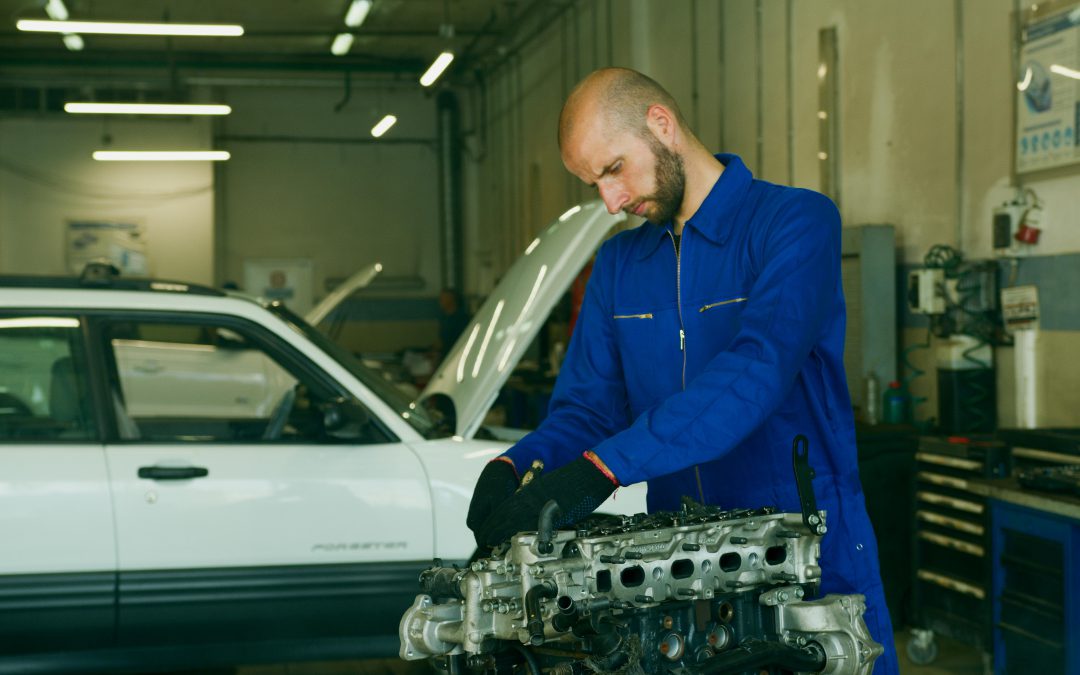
point(954, 658)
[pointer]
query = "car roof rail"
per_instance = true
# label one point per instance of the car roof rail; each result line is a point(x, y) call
point(105, 275)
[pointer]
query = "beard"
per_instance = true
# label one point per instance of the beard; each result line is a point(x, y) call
point(669, 175)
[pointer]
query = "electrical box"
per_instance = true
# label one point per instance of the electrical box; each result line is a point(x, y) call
point(1006, 222)
point(926, 291)
point(1016, 226)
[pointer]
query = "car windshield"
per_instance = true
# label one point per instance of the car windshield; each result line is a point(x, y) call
point(415, 415)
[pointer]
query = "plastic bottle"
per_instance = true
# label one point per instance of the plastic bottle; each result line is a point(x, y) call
point(897, 405)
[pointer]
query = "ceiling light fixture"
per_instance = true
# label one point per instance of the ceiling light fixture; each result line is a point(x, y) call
point(58, 11)
point(161, 156)
point(383, 126)
point(113, 28)
point(147, 109)
point(357, 12)
point(436, 69)
point(342, 44)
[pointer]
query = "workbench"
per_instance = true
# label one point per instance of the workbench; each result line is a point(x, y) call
point(1035, 572)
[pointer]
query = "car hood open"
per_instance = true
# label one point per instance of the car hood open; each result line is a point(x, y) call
point(490, 346)
point(358, 280)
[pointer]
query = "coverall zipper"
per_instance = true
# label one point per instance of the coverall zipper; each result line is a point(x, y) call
point(721, 303)
point(682, 339)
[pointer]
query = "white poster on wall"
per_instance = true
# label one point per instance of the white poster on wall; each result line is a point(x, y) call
point(122, 244)
point(1047, 101)
point(290, 280)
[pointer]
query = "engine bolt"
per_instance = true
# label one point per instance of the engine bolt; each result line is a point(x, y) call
point(667, 623)
point(814, 519)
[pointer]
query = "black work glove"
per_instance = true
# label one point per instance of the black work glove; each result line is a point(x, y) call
point(496, 483)
point(578, 488)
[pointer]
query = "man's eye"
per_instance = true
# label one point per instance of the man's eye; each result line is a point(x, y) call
point(616, 167)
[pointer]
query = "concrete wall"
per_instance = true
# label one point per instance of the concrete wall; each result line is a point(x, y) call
point(308, 182)
point(47, 177)
point(924, 117)
point(305, 182)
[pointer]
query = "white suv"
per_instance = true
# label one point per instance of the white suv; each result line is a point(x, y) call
point(189, 477)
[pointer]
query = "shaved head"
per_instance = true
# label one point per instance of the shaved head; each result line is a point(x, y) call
point(622, 96)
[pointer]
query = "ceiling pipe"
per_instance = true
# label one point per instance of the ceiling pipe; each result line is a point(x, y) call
point(451, 191)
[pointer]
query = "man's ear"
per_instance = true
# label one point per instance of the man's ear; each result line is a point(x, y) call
point(662, 123)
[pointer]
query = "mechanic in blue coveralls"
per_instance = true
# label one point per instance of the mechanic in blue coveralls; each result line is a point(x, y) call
point(709, 338)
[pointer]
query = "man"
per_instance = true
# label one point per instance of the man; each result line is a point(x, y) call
point(709, 338)
point(452, 321)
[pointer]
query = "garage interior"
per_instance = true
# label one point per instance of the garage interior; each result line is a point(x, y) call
point(928, 122)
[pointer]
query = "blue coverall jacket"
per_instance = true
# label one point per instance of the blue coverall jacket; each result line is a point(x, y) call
point(694, 368)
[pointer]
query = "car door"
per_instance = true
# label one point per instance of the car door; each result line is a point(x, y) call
point(57, 570)
point(240, 514)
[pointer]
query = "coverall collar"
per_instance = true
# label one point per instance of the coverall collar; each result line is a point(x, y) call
point(713, 218)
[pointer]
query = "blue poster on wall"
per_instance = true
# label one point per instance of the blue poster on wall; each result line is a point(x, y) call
point(1047, 101)
point(121, 244)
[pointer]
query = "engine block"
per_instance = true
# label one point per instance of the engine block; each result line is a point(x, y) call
point(701, 590)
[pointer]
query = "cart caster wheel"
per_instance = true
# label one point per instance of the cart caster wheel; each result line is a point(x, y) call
point(922, 648)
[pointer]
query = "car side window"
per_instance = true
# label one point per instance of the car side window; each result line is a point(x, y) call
point(203, 382)
point(44, 387)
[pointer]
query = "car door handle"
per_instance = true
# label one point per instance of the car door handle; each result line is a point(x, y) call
point(172, 472)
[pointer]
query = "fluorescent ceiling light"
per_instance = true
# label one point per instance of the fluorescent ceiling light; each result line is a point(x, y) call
point(147, 108)
point(1067, 72)
point(56, 10)
point(436, 69)
point(342, 44)
point(383, 126)
point(160, 156)
point(40, 322)
point(110, 28)
point(357, 12)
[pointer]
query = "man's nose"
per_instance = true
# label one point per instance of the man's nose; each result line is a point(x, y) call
point(614, 197)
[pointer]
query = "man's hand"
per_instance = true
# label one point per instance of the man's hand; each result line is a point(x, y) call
point(578, 488)
point(495, 485)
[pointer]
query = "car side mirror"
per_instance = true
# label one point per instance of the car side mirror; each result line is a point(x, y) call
point(229, 340)
point(341, 412)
